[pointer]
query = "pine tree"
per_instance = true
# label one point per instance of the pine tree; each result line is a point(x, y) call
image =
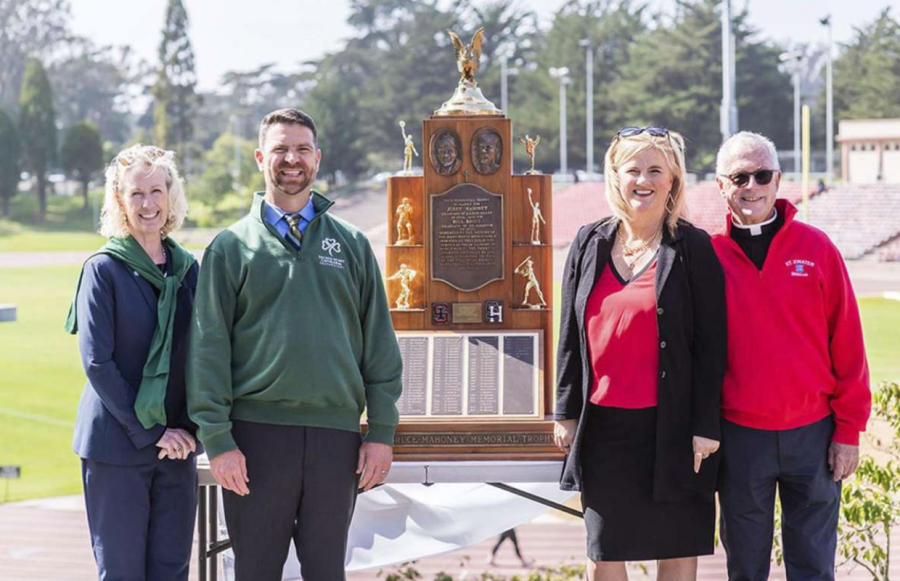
point(82, 154)
point(37, 126)
point(674, 79)
point(867, 74)
point(175, 97)
point(9, 161)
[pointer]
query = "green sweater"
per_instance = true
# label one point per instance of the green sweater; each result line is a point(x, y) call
point(290, 337)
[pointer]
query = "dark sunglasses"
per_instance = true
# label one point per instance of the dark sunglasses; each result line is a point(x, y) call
point(760, 176)
point(632, 131)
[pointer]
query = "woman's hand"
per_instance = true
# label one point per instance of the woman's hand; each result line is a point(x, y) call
point(564, 433)
point(703, 447)
point(176, 444)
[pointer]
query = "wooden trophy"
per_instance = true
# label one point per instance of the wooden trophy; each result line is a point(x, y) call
point(469, 281)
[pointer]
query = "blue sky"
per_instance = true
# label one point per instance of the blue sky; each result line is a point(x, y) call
point(241, 35)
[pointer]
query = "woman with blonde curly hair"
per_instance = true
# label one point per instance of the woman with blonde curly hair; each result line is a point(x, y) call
point(131, 311)
point(640, 366)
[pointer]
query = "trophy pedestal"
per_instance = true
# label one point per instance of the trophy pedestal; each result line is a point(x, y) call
point(477, 380)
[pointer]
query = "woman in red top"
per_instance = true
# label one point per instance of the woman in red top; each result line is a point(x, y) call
point(641, 360)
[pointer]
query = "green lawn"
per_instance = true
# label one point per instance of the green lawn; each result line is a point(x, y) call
point(67, 226)
point(41, 376)
point(881, 327)
point(40, 382)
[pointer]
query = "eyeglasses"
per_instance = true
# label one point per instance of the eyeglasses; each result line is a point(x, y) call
point(760, 176)
point(632, 131)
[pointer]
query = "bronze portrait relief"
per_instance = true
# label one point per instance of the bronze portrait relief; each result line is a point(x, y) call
point(445, 152)
point(487, 151)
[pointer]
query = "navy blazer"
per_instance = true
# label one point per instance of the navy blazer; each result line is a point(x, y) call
point(117, 317)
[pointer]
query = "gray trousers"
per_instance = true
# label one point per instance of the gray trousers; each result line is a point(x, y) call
point(303, 486)
point(753, 462)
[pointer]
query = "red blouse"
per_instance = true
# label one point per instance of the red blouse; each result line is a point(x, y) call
point(622, 338)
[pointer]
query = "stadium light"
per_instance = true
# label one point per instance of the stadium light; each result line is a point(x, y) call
point(728, 113)
point(589, 103)
point(794, 62)
point(562, 75)
point(505, 54)
point(829, 104)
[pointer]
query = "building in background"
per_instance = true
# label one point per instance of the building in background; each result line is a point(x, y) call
point(870, 151)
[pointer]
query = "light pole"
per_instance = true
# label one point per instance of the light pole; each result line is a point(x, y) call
point(829, 106)
point(505, 71)
point(562, 75)
point(728, 114)
point(794, 60)
point(589, 103)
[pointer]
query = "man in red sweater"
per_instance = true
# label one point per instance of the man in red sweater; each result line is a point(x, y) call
point(796, 391)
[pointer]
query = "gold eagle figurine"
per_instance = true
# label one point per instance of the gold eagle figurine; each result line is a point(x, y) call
point(467, 56)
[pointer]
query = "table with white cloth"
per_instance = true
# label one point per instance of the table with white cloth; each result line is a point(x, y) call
point(424, 508)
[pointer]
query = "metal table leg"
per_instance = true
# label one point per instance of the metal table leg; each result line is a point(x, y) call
point(213, 531)
point(535, 498)
point(202, 543)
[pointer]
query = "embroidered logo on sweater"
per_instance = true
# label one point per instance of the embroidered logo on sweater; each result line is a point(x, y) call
point(799, 267)
point(331, 245)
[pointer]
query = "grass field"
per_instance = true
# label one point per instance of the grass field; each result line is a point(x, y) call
point(67, 226)
point(41, 376)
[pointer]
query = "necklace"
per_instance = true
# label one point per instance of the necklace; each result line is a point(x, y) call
point(632, 253)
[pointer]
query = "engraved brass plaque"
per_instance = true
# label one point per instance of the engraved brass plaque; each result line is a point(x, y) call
point(466, 313)
point(467, 237)
point(472, 439)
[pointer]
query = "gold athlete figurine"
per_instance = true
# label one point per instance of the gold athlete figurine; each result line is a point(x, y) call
point(536, 218)
point(404, 223)
point(530, 144)
point(526, 269)
point(408, 150)
point(406, 275)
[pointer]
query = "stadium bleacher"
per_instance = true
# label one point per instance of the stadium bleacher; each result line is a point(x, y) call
point(860, 219)
point(890, 251)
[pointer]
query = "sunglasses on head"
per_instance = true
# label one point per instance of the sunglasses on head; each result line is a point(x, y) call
point(632, 131)
point(760, 176)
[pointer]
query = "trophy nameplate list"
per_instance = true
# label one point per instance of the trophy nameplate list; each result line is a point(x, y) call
point(468, 376)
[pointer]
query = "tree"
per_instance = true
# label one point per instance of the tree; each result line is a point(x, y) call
point(9, 161)
point(94, 84)
point(867, 74)
point(82, 154)
point(673, 78)
point(175, 97)
point(224, 191)
point(612, 28)
point(28, 28)
point(37, 126)
point(332, 102)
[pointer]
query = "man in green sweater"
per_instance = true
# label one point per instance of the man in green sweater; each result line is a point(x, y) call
point(292, 341)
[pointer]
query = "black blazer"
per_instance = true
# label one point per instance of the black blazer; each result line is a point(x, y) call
point(117, 317)
point(690, 300)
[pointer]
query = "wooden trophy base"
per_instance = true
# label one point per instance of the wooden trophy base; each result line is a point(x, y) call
point(480, 441)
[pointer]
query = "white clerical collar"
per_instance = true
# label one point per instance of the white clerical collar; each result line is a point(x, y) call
point(755, 229)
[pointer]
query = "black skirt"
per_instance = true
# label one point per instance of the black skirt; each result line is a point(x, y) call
point(623, 521)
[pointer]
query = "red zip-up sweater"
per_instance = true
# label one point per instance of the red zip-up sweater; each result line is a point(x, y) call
point(795, 343)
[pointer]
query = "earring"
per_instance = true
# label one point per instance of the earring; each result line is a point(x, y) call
point(672, 200)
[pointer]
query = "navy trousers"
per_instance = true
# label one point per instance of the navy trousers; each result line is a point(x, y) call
point(753, 463)
point(141, 518)
point(303, 486)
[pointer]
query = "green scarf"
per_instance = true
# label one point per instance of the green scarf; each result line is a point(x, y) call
point(150, 404)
